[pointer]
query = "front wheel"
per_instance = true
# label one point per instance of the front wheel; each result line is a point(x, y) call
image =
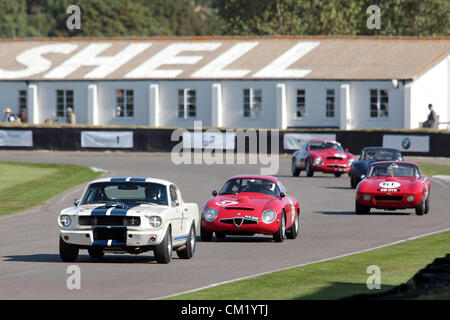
point(420, 209)
point(360, 209)
point(427, 204)
point(352, 181)
point(163, 251)
point(68, 252)
point(337, 174)
point(293, 231)
point(220, 235)
point(96, 253)
point(294, 169)
point(189, 249)
point(280, 234)
point(205, 235)
point(309, 170)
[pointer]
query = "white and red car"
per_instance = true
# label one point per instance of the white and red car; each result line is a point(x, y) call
point(129, 215)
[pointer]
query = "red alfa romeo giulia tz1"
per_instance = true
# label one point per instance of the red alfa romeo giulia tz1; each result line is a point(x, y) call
point(247, 205)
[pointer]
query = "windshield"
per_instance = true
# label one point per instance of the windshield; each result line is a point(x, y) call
point(320, 145)
point(126, 192)
point(381, 154)
point(394, 170)
point(235, 186)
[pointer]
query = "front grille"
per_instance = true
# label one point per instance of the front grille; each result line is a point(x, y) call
point(388, 198)
point(109, 221)
point(335, 165)
point(335, 158)
point(116, 234)
point(245, 221)
point(238, 208)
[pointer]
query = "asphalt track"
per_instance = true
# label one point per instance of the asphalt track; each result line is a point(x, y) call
point(30, 267)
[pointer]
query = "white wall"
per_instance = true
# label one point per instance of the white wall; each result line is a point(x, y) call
point(9, 96)
point(431, 87)
point(360, 105)
point(47, 99)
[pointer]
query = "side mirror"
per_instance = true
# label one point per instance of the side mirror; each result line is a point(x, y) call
point(214, 193)
point(176, 203)
point(282, 195)
point(76, 202)
point(363, 176)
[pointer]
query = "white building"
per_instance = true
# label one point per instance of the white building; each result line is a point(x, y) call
point(260, 82)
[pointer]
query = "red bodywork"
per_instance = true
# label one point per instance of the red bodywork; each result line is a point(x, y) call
point(333, 161)
point(395, 197)
point(250, 206)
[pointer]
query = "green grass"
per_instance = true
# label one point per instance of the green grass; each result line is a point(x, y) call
point(431, 169)
point(336, 278)
point(27, 185)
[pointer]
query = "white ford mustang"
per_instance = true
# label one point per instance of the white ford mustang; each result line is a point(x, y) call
point(129, 215)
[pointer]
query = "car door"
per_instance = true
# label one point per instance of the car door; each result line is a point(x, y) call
point(288, 204)
point(177, 218)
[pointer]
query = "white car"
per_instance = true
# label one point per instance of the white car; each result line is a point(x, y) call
point(129, 215)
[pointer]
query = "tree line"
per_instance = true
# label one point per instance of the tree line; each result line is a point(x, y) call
point(116, 18)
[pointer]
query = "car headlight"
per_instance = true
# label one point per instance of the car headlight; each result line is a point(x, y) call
point(350, 161)
point(210, 214)
point(410, 198)
point(65, 220)
point(317, 161)
point(155, 221)
point(268, 216)
point(366, 197)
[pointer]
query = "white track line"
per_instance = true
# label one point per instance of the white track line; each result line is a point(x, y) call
point(302, 265)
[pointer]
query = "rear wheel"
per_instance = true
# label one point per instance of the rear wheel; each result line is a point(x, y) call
point(96, 252)
point(360, 209)
point(163, 251)
point(68, 252)
point(205, 235)
point(427, 204)
point(293, 231)
point(294, 169)
point(280, 234)
point(352, 181)
point(309, 170)
point(189, 249)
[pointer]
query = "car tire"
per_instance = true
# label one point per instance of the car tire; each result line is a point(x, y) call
point(163, 251)
point(189, 249)
point(360, 209)
point(294, 169)
point(337, 174)
point(280, 234)
point(427, 205)
point(420, 208)
point(220, 235)
point(205, 235)
point(309, 170)
point(96, 253)
point(293, 231)
point(353, 183)
point(68, 252)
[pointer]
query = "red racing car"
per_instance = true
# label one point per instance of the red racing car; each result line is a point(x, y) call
point(323, 155)
point(247, 205)
point(392, 185)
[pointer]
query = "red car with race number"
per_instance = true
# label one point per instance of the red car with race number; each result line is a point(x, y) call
point(392, 185)
point(250, 204)
point(323, 155)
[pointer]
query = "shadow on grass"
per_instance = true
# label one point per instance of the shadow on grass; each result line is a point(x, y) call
point(338, 290)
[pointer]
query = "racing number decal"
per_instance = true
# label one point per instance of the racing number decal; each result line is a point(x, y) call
point(225, 203)
point(389, 184)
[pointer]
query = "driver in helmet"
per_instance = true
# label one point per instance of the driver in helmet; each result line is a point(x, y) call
point(152, 193)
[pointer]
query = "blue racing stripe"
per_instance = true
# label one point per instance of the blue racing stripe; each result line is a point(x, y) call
point(100, 242)
point(180, 237)
point(137, 179)
point(99, 211)
point(117, 243)
point(122, 179)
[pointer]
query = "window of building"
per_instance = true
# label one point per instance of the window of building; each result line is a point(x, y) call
point(379, 103)
point(252, 103)
point(64, 100)
point(330, 104)
point(22, 100)
point(301, 103)
point(186, 103)
point(124, 103)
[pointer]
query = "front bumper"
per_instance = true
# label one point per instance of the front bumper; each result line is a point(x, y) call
point(397, 201)
point(328, 167)
point(131, 238)
point(259, 227)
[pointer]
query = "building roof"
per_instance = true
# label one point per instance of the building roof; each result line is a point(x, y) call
point(243, 58)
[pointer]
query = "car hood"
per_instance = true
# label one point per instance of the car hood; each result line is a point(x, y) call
point(248, 202)
point(132, 210)
point(331, 153)
point(401, 183)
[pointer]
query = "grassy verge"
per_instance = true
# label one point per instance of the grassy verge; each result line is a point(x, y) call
point(337, 278)
point(431, 169)
point(27, 185)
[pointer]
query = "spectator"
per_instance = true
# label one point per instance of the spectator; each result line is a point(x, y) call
point(431, 120)
point(8, 117)
point(23, 116)
point(70, 116)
